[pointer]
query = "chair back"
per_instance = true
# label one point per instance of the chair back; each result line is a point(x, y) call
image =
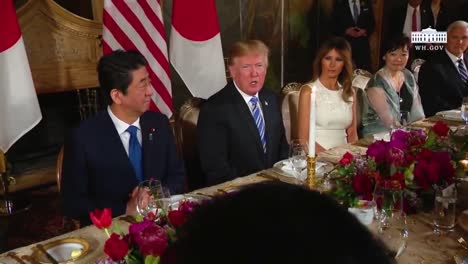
point(186, 131)
point(59, 168)
point(289, 109)
point(360, 79)
point(416, 66)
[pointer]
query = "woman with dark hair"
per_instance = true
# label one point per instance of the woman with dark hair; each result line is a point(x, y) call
point(275, 223)
point(335, 98)
point(392, 93)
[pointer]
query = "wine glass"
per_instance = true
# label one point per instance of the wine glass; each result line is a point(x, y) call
point(404, 118)
point(298, 157)
point(150, 197)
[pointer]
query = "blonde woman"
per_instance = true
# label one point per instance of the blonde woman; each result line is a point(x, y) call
point(335, 98)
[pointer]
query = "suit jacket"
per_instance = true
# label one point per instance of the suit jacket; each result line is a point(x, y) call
point(396, 20)
point(97, 172)
point(343, 19)
point(441, 87)
point(229, 142)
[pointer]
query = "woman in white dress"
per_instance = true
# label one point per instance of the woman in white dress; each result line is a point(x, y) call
point(335, 98)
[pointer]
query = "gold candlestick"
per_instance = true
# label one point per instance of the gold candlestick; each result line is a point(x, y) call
point(311, 179)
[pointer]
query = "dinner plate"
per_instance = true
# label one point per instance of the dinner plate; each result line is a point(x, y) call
point(286, 169)
point(63, 250)
point(452, 115)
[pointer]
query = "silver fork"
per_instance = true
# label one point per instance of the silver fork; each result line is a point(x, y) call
point(463, 242)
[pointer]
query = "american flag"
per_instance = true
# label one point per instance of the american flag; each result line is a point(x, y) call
point(138, 25)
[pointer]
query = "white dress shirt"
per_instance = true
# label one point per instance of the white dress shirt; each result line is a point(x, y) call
point(247, 99)
point(121, 127)
point(358, 4)
point(407, 28)
point(455, 59)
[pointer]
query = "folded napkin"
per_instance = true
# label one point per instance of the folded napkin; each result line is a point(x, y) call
point(382, 136)
point(451, 115)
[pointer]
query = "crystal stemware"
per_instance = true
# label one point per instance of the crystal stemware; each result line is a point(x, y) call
point(298, 157)
point(149, 197)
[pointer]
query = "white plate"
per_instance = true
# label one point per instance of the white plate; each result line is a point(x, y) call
point(285, 168)
point(453, 115)
point(61, 250)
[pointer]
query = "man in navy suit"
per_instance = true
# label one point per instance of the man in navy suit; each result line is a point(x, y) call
point(443, 78)
point(354, 20)
point(240, 128)
point(109, 154)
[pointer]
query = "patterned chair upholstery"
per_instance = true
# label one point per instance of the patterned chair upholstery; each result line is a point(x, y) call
point(186, 134)
point(415, 66)
point(289, 108)
point(360, 79)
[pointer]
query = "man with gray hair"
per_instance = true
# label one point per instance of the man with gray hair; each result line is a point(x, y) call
point(443, 78)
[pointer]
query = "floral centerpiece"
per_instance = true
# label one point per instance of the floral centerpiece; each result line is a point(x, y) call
point(412, 161)
point(147, 239)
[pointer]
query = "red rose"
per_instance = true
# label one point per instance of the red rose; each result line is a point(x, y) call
point(116, 247)
point(177, 218)
point(346, 159)
point(362, 184)
point(420, 174)
point(398, 179)
point(101, 219)
point(441, 129)
point(151, 240)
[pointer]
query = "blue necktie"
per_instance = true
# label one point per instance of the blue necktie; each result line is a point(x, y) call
point(258, 121)
point(462, 70)
point(134, 152)
point(355, 11)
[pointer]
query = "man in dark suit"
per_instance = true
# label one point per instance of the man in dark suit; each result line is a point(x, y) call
point(240, 128)
point(109, 154)
point(354, 20)
point(443, 78)
point(404, 19)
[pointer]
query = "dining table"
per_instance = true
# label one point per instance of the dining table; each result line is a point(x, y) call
point(423, 244)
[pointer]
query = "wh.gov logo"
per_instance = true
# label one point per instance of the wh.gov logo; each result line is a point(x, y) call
point(428, 39)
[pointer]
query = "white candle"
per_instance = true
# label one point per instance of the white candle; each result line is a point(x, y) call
point(312, 123)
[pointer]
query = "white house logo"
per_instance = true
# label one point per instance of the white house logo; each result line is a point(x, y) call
point(429, 36)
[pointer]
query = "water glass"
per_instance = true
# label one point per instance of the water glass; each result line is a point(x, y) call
point(444, 209)
point(298, 157)
point(404, 118)
point(464, 111)
point(392, 226)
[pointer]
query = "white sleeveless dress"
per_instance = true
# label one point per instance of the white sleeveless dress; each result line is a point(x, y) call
point(334, 116)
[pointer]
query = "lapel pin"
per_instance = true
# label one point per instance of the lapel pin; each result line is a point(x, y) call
point(266, 103)
point(150, 136)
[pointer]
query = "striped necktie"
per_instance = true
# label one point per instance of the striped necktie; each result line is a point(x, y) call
point(462, 70)
point(134, 153)
point(355, 11)
point(258, 120)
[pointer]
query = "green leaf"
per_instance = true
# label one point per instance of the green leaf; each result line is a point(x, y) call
point(152, 260)
point(139, 218)
point(133, 258)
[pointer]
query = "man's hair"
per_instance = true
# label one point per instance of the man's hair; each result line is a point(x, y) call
point(345, 77)
point(248, 47)
point(456, 24)
point(115, 71)
point(275, 223)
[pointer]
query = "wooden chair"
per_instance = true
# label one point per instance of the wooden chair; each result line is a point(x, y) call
point(289, 108)
point(186, 133)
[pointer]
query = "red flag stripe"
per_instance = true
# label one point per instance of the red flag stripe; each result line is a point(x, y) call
point(153, 12)
point(137, 24)
point(130, 16)
point(127, 31)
